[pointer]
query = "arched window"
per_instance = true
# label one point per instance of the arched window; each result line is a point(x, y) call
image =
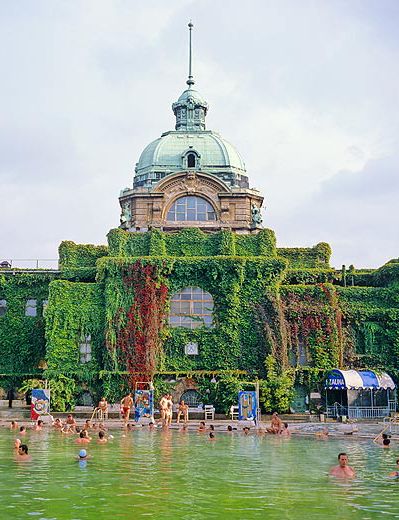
point(192, 307)
point(190, 160)
point(191, 208)
point(191, 397)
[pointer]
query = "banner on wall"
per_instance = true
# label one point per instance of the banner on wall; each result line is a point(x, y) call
point(247, 405)
point(143, 404)
point(40, 404)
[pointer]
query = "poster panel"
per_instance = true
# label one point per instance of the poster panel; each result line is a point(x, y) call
point(40, 404)
point(247, 405)
point(143, 404)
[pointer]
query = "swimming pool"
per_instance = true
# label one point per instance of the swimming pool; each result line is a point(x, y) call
point(184, 475)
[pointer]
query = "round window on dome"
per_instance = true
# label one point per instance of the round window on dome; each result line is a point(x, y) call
point(191, 208)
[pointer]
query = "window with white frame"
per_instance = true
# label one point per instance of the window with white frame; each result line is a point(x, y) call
point(192, 307)
point(31, 308)
point(3, 307)
point(85, 349)
point(191, 208)
point(191, 349)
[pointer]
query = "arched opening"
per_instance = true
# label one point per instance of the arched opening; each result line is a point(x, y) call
point(191, 160)
point(191, 208)
point(192, 398)
point(192, 307)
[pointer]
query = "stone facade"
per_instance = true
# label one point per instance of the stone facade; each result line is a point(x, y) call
point(235, 208)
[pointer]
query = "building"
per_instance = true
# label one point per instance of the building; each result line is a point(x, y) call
point(193, 292)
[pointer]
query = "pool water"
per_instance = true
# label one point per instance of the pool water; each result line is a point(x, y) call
point(186, 476)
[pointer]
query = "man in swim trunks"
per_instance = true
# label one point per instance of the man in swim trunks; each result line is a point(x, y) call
point(342, 470)
point(163, 408)
point(183, 409)
point(169, 410)
point(126, 405)
point(276, 424)
point(71, 423)
point(103, 408)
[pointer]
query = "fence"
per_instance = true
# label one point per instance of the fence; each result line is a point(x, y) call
point(28, 263)
point(361, 412)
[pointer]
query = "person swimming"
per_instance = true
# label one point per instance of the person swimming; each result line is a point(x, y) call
point(82, 458)
point(22, 454)
point(342, 470)
point(101, 437)
point(83, 438)
point(395, 474)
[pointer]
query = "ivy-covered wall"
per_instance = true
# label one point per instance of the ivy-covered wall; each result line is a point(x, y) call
point(22, 344)
point(280, 314)
point(190, 242)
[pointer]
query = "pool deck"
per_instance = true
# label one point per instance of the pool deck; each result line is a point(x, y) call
point(297, 425)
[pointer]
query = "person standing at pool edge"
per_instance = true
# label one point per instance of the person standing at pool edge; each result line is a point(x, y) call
point(126, 405)
point(342, 470)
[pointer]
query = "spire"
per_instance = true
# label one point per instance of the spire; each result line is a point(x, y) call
point(191, 108)
point(190, 80)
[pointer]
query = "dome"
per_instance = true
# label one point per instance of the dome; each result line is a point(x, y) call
point(190, 146)
point(167, 155)
point(193, 96)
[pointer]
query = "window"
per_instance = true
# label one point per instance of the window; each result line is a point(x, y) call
point(191, 349)
point(31, 308)
point(85, 349)
point(3, 307)
point(190, 160)
point(191, 208)
point(302, 353)
point(192, 398)
point(44, 306)
point(191, 308)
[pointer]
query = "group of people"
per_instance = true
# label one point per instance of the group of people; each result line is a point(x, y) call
point(342, 470)
point(68, 427)
point(166, 410)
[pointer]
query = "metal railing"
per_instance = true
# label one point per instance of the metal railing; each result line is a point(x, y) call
point(28, 263)
point(360, 412)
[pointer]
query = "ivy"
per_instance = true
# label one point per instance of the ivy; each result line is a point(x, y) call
point(272, 307)
point(22, 343)
point(309, 257)
point(191, 242)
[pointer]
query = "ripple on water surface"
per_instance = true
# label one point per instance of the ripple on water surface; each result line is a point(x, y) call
point(185, 476)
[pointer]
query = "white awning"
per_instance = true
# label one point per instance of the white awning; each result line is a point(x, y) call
point(355, 380)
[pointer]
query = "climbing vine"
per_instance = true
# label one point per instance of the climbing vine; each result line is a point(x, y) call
point(139, 339)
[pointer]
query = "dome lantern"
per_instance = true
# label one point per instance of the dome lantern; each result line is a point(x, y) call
point(190, 109)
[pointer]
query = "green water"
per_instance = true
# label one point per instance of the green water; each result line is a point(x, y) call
point(185, 476)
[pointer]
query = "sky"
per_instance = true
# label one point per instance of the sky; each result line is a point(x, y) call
point(308, 92)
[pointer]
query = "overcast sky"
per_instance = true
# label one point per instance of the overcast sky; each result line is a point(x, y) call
point(308, 91)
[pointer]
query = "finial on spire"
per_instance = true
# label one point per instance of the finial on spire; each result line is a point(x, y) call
point(190, 80)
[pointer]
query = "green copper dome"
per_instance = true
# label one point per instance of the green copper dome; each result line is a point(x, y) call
point(169, 154)
point(190, 146)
